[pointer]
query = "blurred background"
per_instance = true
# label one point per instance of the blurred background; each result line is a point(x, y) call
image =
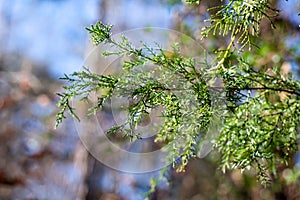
point(40, 40)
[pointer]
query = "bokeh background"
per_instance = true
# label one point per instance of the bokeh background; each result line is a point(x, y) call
point(40, 40)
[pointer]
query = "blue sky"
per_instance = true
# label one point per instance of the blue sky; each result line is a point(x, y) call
point(52, 32)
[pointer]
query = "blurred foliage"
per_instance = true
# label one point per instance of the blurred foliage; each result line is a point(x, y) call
point(36, 161)
point(193, 1)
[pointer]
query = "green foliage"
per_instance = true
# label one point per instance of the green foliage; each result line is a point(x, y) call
point(185, 101)
point(193, 1)
point(100, 33)
point(240, 19)
point(81, 85)
point(263, 108)
point(259, 133)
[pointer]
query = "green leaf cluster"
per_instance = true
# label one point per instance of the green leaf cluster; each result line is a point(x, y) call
point(240, 19)
point(261, 120)
point(82, 84)
point(174, 85)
